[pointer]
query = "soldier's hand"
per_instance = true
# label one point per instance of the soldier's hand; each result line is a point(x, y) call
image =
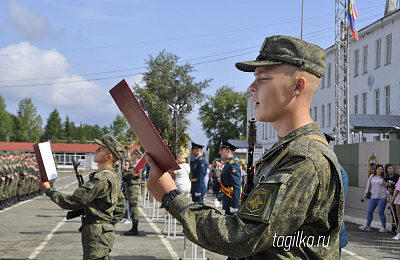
point(159, 182)
point(43, 185)
point(135, 174)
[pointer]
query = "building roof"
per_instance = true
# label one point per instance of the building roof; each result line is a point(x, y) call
point(242, 143)
point(375, 123)
point(55, 147)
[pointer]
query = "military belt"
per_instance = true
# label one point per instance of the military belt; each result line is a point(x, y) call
point(93, 220)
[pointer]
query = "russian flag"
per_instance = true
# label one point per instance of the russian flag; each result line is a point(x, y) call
point(353, 14)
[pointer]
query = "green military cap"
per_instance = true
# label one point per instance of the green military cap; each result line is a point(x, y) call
point(128, 148)
point(137, 152)
point(280, 49)
point(112, 144)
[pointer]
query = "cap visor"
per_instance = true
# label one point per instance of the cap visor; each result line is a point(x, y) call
point(250, 66)
point(98, 141)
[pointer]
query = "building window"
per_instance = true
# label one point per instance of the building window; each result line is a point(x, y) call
point(378, 45)
point(270, 130)
point(323, 81)
point(364, 103)
point(365, 59)
point(356, 62)
point(388, 55)
point(356, 104)
point(322, 116)
point(315, 114)
point(329, 114)
point(387, 100)
point(329, 75)
point(377, 101)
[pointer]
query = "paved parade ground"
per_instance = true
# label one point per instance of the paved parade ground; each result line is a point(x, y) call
point(37, 229)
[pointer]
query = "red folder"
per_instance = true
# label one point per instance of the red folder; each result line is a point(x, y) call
point(140, 164)
point(45, 161)
point(143, 127)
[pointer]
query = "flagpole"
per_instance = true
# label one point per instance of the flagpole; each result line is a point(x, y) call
point(302, 14)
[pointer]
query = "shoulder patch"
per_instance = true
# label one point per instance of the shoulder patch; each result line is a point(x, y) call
point(260, 203)
point(231, 162)
point(200, 158)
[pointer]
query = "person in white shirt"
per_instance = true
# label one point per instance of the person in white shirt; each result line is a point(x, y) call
point(181, 176)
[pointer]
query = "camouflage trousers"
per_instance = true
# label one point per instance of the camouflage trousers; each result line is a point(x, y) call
point(97, 240)
point(132, 194)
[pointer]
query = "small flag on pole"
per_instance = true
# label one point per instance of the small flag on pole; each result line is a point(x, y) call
point(353, 14)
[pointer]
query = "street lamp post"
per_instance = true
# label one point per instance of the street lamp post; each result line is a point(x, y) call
point(177, 108)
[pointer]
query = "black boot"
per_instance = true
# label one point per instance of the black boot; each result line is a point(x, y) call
point(134, 230)
point(7, 203)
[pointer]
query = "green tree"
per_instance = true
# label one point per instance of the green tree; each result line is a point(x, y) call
point(83, 140)
point(88, 132)
point(70, 140)
point(104, 130)
point(119, 127)
point(6, 123)
point(53, 128)
point(68, 129)
point(28, 125)
point(223, 116)
point(167, 83)
point(78, 132)
point(96, 132)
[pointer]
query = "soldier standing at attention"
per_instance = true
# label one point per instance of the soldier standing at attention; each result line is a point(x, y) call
point(101, 199)
point(230, 179)
point(198, 170)
point(125, 167)
point(132, 180)
point(295, 210)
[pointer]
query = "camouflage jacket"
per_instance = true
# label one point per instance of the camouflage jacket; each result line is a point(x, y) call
point(128, 177)
point(294, 213)
point(101, 197)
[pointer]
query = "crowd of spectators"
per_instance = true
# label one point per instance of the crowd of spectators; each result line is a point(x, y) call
point(383, 188)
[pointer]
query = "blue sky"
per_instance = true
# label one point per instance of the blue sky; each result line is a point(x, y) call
point(68, 54)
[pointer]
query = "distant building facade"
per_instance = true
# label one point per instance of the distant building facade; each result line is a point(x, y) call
point(374, 87)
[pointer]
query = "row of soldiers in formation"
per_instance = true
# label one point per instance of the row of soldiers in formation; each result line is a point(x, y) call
point(19, 178)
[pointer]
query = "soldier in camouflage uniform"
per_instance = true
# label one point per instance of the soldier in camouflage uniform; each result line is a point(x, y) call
point(132, 179)
point(101, 199)
point(296, 209)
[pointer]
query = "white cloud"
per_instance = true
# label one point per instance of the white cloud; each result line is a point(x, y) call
point(138, 79)
point(28, 72)
point(195, 130)
point(32, 25)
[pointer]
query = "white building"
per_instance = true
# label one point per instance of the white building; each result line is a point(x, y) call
point(374, 87)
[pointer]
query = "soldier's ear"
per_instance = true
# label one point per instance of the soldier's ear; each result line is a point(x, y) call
point(300, 86)
point(109, 157)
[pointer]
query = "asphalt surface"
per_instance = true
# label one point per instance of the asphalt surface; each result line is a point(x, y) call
point(37, 229)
